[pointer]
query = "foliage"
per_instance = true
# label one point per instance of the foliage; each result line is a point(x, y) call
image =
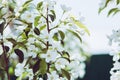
point(114, 10)
point(38, 48)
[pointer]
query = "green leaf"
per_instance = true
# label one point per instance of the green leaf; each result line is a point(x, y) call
point(102, 8)
point(36, 31)
point(75, 34)
point(43, 67)
point(26, 3)
point(107, 2)
point(39, 5)
point(66, 74)
point(42, 27)
point(117, 1)
point(62, 35)
point(113, 10)
point(79, 24)
point(52, 17)
point(20, 55)
point(27, 30)
point(36, 21)
point(13, 41)
point(65, 54)
point(55, 37)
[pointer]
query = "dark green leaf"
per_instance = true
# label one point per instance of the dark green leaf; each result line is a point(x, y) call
point(2, 26)
point(75, 34)
point(117, 1)
point(62, 35)
point(39, 5)
point(27, 30)
point(66, 74)
point(13, 41)
point(102, 8)
point(52, 17)
point(53, 13)
point(62, 42)
point(113, 10)
point(43, 67)
point(20, 55)
point(26, 3)
point(107, 2)
point(65, 54)
point(36, 31)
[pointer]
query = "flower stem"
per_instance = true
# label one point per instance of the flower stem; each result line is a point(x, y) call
point(48, 28)
point(47, 21)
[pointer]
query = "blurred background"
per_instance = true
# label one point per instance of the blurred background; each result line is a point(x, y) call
point(100, 26)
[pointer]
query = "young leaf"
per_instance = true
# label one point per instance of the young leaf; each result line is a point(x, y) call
point(36, 23)
point(55, 37)
point(79, 24)
point(42, 27)
point(36, 31)
point(39, 5)
point(66, 74)
point(75, 34)
point(20, 55)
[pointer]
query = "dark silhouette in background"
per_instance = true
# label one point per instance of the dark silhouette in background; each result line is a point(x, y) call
point(98, 68)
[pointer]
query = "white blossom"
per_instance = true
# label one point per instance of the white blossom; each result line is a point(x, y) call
point(65, 8)
point(50, 56)
point(53, 76)
point(28, 16)
point(19, 69)
point(61, 63)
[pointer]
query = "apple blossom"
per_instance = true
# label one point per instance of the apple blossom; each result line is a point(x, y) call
point(50, 56)
point(61, 63)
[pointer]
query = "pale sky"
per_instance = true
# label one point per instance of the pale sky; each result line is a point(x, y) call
point(99, 24)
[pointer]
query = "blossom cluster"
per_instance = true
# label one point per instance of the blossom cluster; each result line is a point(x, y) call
point(114, 40)
point(44, 50)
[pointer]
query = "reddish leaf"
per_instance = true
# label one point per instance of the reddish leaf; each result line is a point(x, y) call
point(20, 55)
